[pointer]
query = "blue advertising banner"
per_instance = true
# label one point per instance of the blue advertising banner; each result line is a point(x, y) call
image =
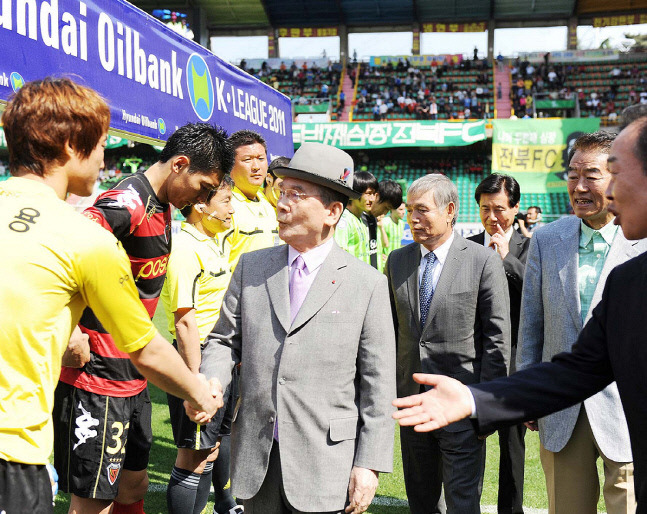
point(154, 79)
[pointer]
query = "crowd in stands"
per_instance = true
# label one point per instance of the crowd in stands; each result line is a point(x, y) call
point(305, 84)
point(440, 91)
point(600, 89)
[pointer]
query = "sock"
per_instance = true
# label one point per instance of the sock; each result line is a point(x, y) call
point(223, 500)
point(181, 491)
point(204, 488)
point(132, 508)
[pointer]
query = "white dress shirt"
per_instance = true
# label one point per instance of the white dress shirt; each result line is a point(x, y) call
point(441, 256)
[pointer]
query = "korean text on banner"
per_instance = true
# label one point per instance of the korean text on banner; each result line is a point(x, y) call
point(154, 79)
point(535, 152)
point(390, 134)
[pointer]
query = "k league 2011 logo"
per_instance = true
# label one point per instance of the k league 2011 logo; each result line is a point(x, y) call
point(16, 81)
point(200, 87)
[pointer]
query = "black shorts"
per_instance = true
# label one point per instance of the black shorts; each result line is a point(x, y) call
point(96, 436)
point(188, 434)
point(25, 488)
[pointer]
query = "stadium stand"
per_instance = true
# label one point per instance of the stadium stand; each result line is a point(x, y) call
point(450, 91)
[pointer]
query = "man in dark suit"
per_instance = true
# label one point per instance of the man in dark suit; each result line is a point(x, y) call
point(451, 312)
point(498, 199)
point(610, 347)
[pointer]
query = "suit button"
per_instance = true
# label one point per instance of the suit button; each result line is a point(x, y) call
point(281, 380)
point(422, 343)
point(271, 420)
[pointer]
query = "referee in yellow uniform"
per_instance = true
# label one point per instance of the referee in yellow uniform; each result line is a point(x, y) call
point(255, 224)
point(55, 263)
point(197, 277)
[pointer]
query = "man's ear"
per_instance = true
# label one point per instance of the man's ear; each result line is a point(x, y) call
point(180, 162)
point(335, 209)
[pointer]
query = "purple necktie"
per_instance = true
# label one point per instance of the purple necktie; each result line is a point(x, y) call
point(298, 292)
point(298, 286)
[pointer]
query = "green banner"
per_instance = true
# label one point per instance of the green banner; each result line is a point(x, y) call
point(390, 134)
point(312, 108)
point(555, 104)
point(3, 140)
point(535, 152)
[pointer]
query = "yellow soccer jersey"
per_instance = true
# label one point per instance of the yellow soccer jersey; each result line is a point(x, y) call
point(197, 276)
point(254, 225)
point(55, 263)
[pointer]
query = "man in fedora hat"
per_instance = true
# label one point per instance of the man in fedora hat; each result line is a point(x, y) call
point(312, 326)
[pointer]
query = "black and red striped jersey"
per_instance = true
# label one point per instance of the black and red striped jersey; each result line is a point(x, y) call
point(137, 218)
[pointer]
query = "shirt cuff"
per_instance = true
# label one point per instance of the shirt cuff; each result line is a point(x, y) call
point(473, 415)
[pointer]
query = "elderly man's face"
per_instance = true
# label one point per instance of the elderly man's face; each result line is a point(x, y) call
point(304, 221)
point(430, 225)
point(587, 183)
point(627, 192)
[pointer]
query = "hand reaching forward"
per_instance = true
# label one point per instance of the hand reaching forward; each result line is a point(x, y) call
point(202, 414)
point(448, 401)
point(361, 489)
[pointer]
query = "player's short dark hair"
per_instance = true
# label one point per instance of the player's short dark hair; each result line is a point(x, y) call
point(46, 115)
point(278, 162)
point(496, 182)
point(226, 183)
point(536, 207)
point(390, 193)
point(245, 138)
point(206, 146)
point(600, 141)
point(363, 180)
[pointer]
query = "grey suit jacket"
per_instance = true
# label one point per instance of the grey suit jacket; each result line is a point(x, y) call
point(329, 376)
point(551, 322)
point(467, 332)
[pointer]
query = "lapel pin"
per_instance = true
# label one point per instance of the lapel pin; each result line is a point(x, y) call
point(333, 281)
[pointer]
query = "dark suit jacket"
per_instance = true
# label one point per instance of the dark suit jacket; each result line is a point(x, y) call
point(467, 332)
point(612, 346)
point(514, 265)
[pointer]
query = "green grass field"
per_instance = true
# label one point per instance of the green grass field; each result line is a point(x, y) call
point(391, 485)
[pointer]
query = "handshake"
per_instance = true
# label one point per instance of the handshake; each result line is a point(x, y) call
point(210, 400)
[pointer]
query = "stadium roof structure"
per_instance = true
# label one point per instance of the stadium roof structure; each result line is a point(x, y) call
point(234, 15)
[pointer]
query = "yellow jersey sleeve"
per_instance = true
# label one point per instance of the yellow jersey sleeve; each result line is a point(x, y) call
point(107, 286)
point(183, 271)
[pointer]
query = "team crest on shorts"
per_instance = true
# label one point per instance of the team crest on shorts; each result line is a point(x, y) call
point(113, 472)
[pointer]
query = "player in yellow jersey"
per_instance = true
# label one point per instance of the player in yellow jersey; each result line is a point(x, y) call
point(56, 262)
point(255, 224)
point(197, 277)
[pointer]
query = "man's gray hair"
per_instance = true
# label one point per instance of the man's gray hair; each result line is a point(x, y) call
point(444, 191)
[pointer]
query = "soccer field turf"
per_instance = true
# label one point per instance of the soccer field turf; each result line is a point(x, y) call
point(391, 490)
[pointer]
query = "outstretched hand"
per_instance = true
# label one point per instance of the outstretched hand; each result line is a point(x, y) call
point(447, 402)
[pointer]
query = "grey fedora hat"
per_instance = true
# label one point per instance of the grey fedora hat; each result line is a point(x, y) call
point(324, 165)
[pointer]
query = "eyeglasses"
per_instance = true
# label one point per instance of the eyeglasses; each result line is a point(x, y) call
point(293, 196)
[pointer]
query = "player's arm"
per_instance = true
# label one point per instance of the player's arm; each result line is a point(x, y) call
point(77, 353)
point(162, 365)
point(188, 338)
point(108, 287)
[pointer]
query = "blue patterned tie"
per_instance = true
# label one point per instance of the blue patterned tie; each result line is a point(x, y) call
point(427, 287)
